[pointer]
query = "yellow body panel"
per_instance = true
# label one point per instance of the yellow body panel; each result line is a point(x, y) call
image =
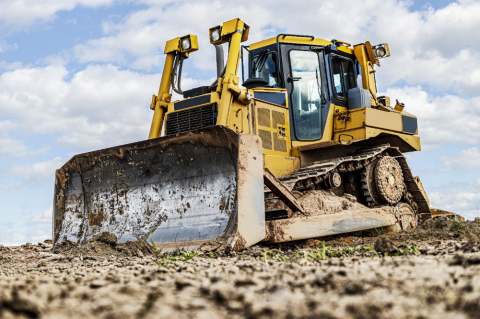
point(368, 132)
point(273, 126)
point(281, 165)
point(368, 117)
point(327, 132)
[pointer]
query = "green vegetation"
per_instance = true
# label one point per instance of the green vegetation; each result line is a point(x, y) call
point(408, 250)
point(456, 225)
point(365, 249)
point(186, 255)
point(164, 264)
point(320, 254)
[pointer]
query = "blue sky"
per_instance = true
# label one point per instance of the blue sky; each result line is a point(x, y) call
point(78, 75)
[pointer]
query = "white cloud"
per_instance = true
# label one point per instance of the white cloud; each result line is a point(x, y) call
point(38, 170)
point(98, 107)
point(6, 47)
point(15, 237)
point(444, 120)
point(461, 198)
point(438, 47)
point(10, 66)
point(17, 14)
point(465, 160)
point(11, 147)
point(44, 218)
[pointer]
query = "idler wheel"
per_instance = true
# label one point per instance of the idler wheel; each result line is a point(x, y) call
point(333, 181)
point(406, 216)
point(389, 180)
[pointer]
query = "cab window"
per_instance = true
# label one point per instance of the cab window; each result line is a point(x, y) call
point(343, 76)
point(264, 66)
point(306, 94)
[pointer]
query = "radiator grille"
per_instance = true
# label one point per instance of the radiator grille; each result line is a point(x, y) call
point(266, 137)
point(191, 119)
point(279, 144)
point(278, 119)
point(263, 117)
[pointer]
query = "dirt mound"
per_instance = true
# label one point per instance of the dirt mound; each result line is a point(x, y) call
point(104, 244)
point(441, 229)
point(433, 237)
point(319, 202)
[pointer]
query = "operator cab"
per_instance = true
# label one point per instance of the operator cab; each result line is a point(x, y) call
point(316, 74)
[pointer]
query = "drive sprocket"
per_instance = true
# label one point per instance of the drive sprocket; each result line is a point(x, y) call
point(389, 180)
point(369, 186)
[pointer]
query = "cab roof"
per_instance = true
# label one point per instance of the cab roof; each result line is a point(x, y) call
point(299, 40)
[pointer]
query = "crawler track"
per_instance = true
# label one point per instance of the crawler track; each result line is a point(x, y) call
point(310, 176)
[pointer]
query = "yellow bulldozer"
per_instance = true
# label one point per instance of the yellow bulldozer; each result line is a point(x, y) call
point(304, 149)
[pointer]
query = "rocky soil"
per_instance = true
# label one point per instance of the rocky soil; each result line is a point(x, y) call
point(430, 272)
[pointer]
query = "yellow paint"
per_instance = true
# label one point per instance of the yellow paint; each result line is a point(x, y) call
point(242, 115)
point(274, 129)
point(420, 185)
point(368, 71)
point(281, 165)
point(368, 117)
point(175, 45)
point(298, 40)
point(327, 132)
point(228, 28)
point(159, 112)
point(239, 119)
point(367, 132)
point(230, 80)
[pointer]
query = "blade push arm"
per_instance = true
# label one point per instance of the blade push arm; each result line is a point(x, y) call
point(234, 32)
point(183, 45)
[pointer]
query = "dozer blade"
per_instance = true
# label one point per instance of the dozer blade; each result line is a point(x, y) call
point(203, 188)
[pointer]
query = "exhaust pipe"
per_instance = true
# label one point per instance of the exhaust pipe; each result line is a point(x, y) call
point(220, 59)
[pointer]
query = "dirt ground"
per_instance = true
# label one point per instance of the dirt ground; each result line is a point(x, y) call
point(430, 272)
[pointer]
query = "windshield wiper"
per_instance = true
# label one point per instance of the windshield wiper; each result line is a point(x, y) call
point(261, 59)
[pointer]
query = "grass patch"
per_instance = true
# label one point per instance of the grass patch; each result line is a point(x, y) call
point(456, 225)
point(164, 264)
point(186, 255)
point(321, 254)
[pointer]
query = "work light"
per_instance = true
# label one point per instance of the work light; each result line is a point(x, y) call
point(380, 52)
point(186, 44)
point(215, 36)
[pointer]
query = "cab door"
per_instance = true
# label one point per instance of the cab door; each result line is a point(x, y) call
point(304, 77)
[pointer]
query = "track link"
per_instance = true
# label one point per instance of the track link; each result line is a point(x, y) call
point(310, 176)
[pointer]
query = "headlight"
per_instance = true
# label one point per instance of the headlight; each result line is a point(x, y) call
point(185, 44)
point(215, 36)
point(380, 52)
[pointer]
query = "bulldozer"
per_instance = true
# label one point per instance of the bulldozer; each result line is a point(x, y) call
point(236, 163)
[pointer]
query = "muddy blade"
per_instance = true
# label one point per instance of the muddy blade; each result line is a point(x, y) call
point(200, 188)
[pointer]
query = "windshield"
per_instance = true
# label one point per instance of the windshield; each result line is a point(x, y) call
point(264, 67)
point(306, 94)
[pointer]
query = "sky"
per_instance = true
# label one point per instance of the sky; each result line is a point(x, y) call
point(78, 75)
